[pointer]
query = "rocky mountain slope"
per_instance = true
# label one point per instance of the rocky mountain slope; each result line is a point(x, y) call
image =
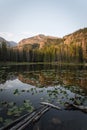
point(39, 41)
point(42, 48)
point(79, 38)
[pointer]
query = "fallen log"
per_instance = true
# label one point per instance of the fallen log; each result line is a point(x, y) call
point(15, 127)
point(51, 105)
point(16, 121)
point(40, 114)
point(9, 126)
point(24, 120)
point(83, 108)
point(74, 106)
point(35, 118)
point(22, 124)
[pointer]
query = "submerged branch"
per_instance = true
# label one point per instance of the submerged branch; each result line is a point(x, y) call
point(74, 106)
point(51, 105)
point(24, 120)
point(14, 122)
point(34, 118)
point(82, 108)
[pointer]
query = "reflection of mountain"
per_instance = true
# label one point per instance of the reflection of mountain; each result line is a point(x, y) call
point(6, 74)
point(39, 79)
point(43, 80)
point(4, 78)
point(74, 81)
point(70, 76)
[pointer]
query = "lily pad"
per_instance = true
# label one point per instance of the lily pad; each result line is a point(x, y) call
point(1, 119)
point(16, 92)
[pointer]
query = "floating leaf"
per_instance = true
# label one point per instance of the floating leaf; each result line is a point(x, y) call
point(1, 90)
point(28, 106)
point(11, 103)
point(7, 121)
point(14, 111)
point(1, 119)
point(16, 92)
point(23, 90)
point(27, 90)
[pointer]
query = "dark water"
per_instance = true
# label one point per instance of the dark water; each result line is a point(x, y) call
point(22, 88)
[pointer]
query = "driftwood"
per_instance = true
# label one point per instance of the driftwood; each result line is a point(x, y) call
point(82, 108)
point(74, 106)
point(35, 118)
point(24, 120)
point(40, 114)
point(15, 127)
point(51, 105)
point(16, 121)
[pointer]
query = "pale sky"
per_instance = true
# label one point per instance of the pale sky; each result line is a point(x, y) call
point(25, 18)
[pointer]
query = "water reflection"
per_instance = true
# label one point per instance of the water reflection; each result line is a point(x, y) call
point(22, 88)
point(46, 75)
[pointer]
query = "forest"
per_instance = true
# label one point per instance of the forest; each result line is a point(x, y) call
point(71, 53)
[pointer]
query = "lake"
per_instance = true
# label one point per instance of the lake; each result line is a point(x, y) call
point(23, 87)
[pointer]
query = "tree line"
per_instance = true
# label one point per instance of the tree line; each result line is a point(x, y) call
point(51, 53)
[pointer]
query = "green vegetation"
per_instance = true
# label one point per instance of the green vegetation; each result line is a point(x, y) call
point(60, 53)
point(71, 48)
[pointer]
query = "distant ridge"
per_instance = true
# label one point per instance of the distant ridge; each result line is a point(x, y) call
point(78, 37)
point(8, 43)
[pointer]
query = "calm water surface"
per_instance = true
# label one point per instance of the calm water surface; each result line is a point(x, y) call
point(22, 88)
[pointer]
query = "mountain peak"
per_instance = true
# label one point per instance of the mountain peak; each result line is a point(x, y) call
point(41, 35)
point(40, 39)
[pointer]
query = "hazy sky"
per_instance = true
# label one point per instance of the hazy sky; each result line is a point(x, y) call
point(24, 18)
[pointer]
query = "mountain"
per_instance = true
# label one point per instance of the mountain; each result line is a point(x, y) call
point(12, 43)
point(78, 38)
point(8, 43)
point(75, 42)
point(39, 41)
point(70, 48)
point(3, 40)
